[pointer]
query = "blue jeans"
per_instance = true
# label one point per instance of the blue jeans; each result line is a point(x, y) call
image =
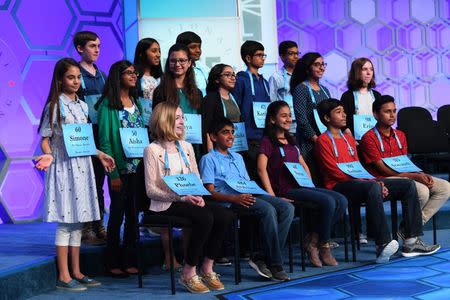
point(275, 217)
point(332, 206)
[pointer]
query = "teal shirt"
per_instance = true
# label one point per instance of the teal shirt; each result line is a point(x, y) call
point(184, 103)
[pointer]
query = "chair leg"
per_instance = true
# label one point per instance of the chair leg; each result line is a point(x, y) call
point(237, 262)
point(434, 229)
point(345, 237)
point(171, 253)
point(302, 234)
point(139, 259)
point(291, 259)
point(352, 231)
point(394, 219)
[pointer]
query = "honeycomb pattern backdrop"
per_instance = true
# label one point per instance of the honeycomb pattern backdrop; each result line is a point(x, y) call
point(408, 41)
point(33, 36)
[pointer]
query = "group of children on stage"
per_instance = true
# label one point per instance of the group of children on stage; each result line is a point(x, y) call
point(261, 147)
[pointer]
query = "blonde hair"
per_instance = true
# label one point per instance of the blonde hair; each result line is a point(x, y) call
point(162, 122)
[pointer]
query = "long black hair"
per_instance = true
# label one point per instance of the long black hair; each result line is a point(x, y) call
point(56, 89)
point(113, 85)
point(302, 70)
point(270, 129)
point(214, 78)
point(167, 89)
point(141, 60)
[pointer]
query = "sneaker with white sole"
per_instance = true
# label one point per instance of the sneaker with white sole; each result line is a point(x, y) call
point(385, 252)
point(419, 248)
point(261, 268)
point(363, 238)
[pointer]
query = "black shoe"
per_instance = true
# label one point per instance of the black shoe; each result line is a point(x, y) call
point(278, 274)
point(260, 267)
point(222, 261)
point(419, 248)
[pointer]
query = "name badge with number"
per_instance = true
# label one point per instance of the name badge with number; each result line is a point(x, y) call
point(299, 174)
point(134, 141)
point(362, 124)
point(320, 125)
point(91, 100)
point(245, 186)
point(186, 184)
point(259, 113)
point(146, 105)
point(355, 169)
point(401, 164)
point(193, 128)
point(79, 139)
point(240, 138)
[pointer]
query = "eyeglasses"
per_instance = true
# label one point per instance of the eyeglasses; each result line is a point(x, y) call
point(293, 53)
point(261, 55)
point(131, 73)
point(182, 61)
point(229, 75)
point(318, 65)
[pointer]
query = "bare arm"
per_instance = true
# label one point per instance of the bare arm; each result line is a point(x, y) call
point(262, 172)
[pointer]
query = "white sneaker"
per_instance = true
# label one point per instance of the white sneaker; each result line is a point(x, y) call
point(386, 252)
point(362, 238)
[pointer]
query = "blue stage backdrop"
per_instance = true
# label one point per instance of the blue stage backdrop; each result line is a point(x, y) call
point(408, 41)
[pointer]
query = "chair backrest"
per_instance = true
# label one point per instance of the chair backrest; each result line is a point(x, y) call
point(410, 116)
point(426, 137)
point(142, 201)
point(443, 118)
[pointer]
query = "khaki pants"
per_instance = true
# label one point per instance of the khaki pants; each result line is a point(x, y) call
point(431, 200)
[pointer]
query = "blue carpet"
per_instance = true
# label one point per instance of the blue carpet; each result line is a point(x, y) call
point(413, 278)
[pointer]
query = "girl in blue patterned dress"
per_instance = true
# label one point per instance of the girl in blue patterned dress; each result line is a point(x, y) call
point(70, 192)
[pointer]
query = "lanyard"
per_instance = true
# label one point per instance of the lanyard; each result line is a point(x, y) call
point(83, 85)
point(377, 133)
point(252, 84)
point(203, 74)
point(63, 112)
point(180, 150)
point(223, 105)
point(222, 169)
point(355, 95)
point(350, 149)
point(313, 99)
point(283, 155)
point(285, 80)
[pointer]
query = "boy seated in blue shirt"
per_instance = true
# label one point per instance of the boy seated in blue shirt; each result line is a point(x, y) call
point(275, 214)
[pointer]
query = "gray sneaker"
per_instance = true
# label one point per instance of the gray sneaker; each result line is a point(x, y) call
point(419, 248)
point(278, 274)
point(260, 267)
point(385, 252)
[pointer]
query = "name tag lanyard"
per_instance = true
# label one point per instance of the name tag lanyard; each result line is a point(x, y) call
point(232, 161)
point(83, 85)
point(283, 155)
point(223, 105)
point(183, 155)
point(313, 99)
point(252, 84)
point(355, 95)
point(350, 149)
point(377, 133)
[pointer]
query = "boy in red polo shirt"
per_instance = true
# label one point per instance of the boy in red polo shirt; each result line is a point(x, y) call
point(336, 153)
point(433, 192)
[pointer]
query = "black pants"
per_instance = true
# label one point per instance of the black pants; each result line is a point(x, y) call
point(370, 193)
point(250, 158)
point(122, 204)
point(209, 224)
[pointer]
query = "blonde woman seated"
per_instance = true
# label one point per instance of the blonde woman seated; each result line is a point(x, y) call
point(168, 155)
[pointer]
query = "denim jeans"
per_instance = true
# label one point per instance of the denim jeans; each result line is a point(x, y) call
point(275, 217)
point(332, 206)
point(370, 193)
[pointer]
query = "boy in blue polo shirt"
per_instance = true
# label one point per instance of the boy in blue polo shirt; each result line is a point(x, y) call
point(87, 44)
point(275, 214)
point(252, 87)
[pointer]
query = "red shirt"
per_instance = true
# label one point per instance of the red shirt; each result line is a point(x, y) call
point(327, 160)
point(370, 148)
